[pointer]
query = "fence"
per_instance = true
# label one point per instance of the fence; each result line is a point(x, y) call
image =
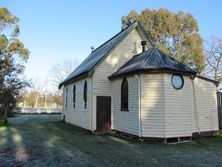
point(39, 111)
point(219, 104)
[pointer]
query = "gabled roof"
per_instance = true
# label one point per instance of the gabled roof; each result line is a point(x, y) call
point(152, 60)
point(100, 53)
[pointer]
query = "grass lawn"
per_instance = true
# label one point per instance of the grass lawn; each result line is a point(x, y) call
point(42, 140)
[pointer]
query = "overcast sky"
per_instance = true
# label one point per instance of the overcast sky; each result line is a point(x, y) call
point(58, 30)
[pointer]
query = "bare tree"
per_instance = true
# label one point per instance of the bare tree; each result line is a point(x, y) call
point(61, 70)
point(23, 97)
point(34, 98)
point(57, 98)
point(213, 53)
point(37, 88)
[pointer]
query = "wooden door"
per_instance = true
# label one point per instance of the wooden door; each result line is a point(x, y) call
point(103, 107)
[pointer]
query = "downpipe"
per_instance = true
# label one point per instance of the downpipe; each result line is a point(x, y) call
point(139, 102)
point(195, 105)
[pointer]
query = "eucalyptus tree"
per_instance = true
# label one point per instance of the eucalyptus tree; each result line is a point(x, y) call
point(13, 55)
point(176, 34)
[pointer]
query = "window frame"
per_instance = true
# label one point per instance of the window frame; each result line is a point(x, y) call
point(74, 96)
point(124, 95)
point(135, 48)
point(85, 93)
point(181, 80)
point(66, 97)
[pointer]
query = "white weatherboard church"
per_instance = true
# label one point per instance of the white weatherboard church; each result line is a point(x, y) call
point(139, 90)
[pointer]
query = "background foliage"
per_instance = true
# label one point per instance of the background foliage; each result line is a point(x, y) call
point(177, 34)
point(13, 55)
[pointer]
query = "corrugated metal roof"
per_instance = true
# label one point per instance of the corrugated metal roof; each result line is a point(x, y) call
point(97, 56)
point(152, 60)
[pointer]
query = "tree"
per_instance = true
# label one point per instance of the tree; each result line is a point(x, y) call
point(37, 89)
point(23, 97)
point(57, 98)
point(177, 34)
point(60, 71)
point(213, 53)
point(13, 55)
point(34, 98)
point(58, 74)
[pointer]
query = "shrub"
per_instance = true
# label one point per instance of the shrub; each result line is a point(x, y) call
point(3, 121)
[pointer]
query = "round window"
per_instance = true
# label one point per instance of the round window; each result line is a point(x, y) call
point(177, 81)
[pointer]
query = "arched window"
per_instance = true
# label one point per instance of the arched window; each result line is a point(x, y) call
point(85, 95)
point(74, 96)
point(124, 95)
point(66, 93)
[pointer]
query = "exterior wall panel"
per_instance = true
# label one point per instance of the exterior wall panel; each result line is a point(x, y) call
point(206, 117)
point(78, 115)
point(119, 56)
point(178, 108)
point(126, 121)
point(152, 105)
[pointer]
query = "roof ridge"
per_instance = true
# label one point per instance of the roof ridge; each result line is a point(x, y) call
point(115, 35)
point(157, 51)
point(153, 60)
point(146, 58)
point(104, 44)
point(175, 60)
point(148, 35)
point(109, 45)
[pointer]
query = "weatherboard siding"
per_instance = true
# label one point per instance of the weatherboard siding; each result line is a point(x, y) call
point(119, 56)
point(206, 117)
point(178, 108)
point(152, 105)
point(124, 121)
point(79, 116)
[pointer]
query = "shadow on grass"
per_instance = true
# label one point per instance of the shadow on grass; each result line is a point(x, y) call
point(43, 141)
point(20, 141)
point(112, 149)
point(213, 143)
point(13, 150)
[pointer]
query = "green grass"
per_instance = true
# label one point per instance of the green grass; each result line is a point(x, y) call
point(42, 140)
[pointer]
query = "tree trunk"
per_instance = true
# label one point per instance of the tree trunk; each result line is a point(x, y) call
point(6, 116)
point(24, 104)
point(36, 102)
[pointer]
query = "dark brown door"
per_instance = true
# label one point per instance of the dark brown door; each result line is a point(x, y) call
point(103, 107)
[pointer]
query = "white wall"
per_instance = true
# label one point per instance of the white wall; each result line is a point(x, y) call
point(167, 112)
point(152, 105)
point(178, 108)
point(119, 56)
point(126, 121)
point(207, 116)
point(78, 115)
